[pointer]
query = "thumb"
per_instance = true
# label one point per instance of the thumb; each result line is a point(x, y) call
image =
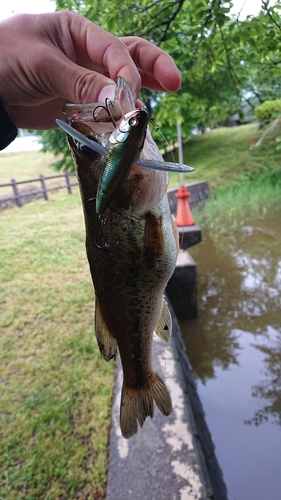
point(77, 84)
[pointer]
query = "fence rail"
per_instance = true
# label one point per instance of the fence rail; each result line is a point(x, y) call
point(19, 197)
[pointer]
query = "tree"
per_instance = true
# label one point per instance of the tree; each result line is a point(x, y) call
point(224, 61)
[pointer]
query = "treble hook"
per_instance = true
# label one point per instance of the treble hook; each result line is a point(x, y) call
point(107, 100)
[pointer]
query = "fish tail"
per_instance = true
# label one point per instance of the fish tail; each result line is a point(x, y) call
point(137, 404)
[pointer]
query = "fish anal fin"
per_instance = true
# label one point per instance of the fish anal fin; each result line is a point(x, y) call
point(137, 404)
point(106, 342)
point(164, 324)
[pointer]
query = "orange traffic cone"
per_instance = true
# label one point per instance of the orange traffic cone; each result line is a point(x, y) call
point(184, 217)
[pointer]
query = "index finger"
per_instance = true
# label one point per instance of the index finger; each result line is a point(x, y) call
point(157, 69)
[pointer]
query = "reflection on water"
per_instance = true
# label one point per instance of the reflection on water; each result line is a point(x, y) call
point(235, 349)
point(269, 389)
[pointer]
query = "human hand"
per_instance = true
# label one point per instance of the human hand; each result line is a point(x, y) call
point(50, 59)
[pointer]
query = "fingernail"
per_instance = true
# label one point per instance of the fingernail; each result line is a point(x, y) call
point(107, 92)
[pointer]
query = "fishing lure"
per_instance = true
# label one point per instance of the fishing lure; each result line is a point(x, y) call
point(122, 153)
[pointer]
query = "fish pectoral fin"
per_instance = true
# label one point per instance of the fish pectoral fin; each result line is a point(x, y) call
point(153, 241)
point(164, 324)
point(137, 404)
point(106, 342)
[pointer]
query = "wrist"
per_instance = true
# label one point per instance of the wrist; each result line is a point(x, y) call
point(8, 130)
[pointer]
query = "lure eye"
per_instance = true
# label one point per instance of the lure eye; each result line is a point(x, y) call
point(133, 121)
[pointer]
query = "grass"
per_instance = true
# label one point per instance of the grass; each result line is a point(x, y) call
point(243, 181)
point(55, 388)
point(222, 156)
point(235, 204)
point(24, 165)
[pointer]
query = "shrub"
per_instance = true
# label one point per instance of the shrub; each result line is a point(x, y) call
point(268, 110)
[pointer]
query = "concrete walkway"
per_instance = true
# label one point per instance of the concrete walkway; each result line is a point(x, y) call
point(170, 458)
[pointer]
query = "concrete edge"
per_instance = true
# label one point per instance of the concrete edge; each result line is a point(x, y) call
point(205, 443)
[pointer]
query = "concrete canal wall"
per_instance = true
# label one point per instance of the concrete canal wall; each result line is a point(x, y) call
point(182, 287)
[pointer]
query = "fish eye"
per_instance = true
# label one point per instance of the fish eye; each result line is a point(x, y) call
point(133, 121)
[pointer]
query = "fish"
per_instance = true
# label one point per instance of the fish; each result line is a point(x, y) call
point(132, 248)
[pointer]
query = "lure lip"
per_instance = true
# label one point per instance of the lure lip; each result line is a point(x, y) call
point(89, 143)
point(165, 166)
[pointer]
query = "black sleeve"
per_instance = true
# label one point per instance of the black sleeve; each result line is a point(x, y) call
point(8, 130)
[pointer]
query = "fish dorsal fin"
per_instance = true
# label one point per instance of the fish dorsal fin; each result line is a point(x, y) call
point(107, 344)
point(164, 324)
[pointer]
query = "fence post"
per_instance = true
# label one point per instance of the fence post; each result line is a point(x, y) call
point(68, 185)
point(43, 185)
point(16, 193)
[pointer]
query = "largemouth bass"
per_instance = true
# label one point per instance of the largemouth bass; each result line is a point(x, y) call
point(132, 250)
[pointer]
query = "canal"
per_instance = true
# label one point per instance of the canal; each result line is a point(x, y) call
point(234, 347)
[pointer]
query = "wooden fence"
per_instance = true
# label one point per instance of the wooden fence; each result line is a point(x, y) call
point(19, 196)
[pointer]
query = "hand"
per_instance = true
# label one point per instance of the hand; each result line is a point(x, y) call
point(50, 59)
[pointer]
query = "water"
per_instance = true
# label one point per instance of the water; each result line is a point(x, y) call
point(235, 350)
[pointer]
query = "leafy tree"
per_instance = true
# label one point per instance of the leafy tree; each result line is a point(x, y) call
point(224, 60)
point(55, 140)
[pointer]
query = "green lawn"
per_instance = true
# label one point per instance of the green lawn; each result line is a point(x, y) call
point(25, 165)
point(55, 388)
point(223, 156)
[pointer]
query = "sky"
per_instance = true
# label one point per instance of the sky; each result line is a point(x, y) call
point(10, 7)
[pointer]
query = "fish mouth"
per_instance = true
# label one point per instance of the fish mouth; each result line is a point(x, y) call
point(97, 112)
